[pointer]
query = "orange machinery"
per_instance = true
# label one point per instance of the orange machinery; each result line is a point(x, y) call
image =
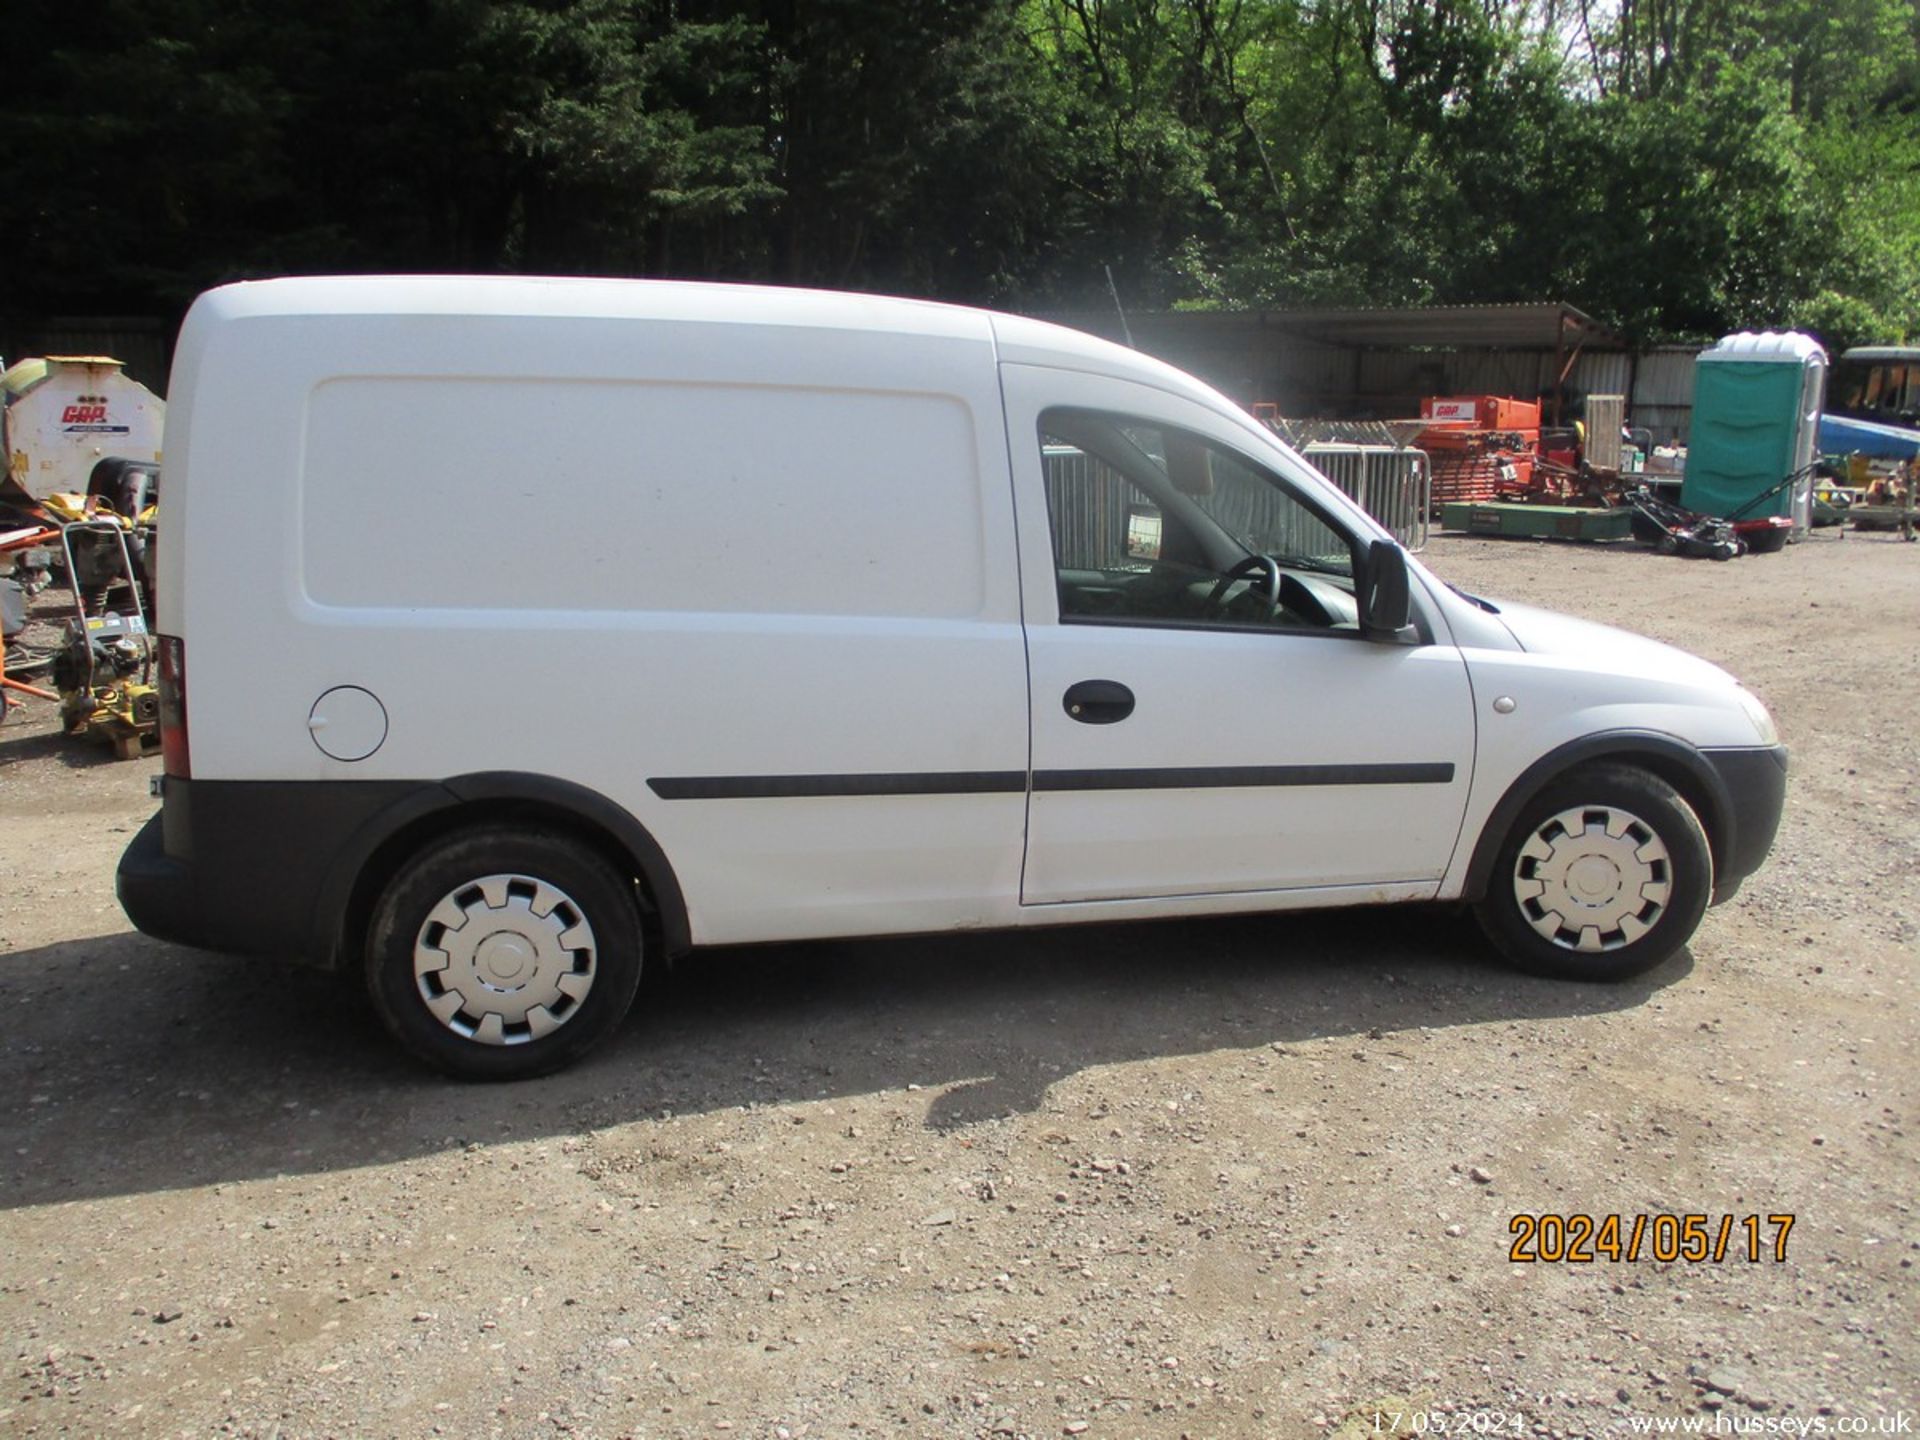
point(1482, 446)
point(11, 541)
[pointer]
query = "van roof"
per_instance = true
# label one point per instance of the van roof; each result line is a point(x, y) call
point(1016, 338)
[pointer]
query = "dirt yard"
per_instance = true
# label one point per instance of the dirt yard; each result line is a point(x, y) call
point(1251, 1177)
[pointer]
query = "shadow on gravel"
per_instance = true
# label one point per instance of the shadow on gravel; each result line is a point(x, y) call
point(20, 744)
point(1455, 542)
point(131, 1066)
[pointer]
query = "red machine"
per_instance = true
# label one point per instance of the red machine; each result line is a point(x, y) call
point(1482, 446)
point(1481, 412)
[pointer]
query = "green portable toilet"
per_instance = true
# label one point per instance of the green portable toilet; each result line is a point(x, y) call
point(1756, 417)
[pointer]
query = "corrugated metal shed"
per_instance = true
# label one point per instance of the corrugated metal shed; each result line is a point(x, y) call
point(1538, 326)
point(1662, 398)
point(1379, 364)
point(1514, 327)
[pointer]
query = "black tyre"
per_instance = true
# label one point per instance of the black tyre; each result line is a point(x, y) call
point(1605, 873)
point(502, 953)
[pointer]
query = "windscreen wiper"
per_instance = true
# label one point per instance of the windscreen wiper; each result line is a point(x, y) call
point(1484, 604)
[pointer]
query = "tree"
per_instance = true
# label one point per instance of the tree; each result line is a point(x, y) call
point(1674, 166)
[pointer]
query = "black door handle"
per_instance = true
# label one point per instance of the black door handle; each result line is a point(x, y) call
point(1098, 702)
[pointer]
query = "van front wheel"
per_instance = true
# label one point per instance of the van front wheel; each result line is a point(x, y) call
point(1605, 873)
point(500, 954)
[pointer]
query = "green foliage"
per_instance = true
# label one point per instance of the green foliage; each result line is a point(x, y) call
point(1864, 215)
point(1677, 167)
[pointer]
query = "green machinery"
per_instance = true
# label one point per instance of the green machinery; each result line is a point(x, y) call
point(1553, 522)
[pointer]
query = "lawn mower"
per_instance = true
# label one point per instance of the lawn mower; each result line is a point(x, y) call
point(1673, 530)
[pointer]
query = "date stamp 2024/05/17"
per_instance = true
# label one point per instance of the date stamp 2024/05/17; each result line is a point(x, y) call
point(1580, 1239)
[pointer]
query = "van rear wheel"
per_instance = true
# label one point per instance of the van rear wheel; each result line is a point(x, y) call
point(1605, 873)
point(503, 953)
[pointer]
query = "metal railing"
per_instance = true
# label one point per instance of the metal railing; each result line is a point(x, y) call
point(1392, 483)
point(1089, 503)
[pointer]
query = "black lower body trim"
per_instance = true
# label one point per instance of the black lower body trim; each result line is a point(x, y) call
point(1756, 786)
point(156, 890)
point(280, 867)
point(239, 865)
point(999, 782)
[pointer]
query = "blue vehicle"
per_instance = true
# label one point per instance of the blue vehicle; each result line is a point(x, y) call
point(1873, 404)
point(1879, 383)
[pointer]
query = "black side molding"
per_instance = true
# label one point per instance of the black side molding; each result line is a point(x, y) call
point(1239, 777)
point(999, 782)
point(787, 787)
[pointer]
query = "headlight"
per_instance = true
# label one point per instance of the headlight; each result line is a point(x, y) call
point(1757, 713)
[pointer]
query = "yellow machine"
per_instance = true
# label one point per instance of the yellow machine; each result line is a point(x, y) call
point(104, 669)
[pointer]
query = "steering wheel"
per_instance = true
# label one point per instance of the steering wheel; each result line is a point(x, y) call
point(1216, 598)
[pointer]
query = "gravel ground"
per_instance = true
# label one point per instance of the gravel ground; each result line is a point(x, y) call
point(1248, 1177)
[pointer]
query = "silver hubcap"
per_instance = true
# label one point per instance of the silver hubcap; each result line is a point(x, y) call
point(1593, 878)
point(504, 960)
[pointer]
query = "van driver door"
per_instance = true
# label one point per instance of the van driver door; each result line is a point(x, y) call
point(1207, 715)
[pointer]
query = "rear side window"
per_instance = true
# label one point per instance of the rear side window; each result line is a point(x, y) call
point(470, 494)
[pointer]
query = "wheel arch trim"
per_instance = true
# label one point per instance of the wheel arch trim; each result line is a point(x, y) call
point(1674, 760)
point(346, 894)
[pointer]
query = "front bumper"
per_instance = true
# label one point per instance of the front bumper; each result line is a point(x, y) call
point(1755, 784)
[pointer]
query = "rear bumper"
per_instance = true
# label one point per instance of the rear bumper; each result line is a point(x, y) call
point(1755, 783)
point(155, 889)
point(252, 867)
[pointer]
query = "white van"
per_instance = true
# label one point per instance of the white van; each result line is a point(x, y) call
point(516, 628)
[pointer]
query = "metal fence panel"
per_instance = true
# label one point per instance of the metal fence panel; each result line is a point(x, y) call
point(1089, 503)
point(1393, 484)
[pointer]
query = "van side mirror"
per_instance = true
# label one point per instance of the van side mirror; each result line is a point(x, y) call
point(1386, 601)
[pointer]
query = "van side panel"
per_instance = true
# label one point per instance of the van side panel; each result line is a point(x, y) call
point(619, 550)
point(722, 499)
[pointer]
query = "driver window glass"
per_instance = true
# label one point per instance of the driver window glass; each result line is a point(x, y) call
point(1157, 525)
point(1100, 521)
point(1268, 520)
